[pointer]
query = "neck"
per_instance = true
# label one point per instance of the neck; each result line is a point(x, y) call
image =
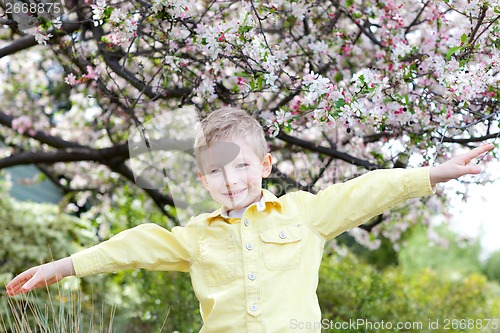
point(239, 212)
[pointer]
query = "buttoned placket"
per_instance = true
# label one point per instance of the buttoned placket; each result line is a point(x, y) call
point(249, 242)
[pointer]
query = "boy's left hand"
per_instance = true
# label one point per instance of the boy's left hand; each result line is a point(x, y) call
point(458, 166)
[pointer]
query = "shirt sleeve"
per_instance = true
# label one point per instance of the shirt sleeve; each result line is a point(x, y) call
point(145, 246)
point(344, 206)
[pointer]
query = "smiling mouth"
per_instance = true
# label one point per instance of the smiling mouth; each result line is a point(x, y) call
point(234, 193)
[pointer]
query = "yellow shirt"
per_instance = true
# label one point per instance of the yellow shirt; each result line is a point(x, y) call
point(259, 275)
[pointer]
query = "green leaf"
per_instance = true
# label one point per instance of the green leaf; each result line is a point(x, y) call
point(340, 103)
point(452, 51)
point(260, 83)
point(242, 74)
point(464, 38)
point(108, 11)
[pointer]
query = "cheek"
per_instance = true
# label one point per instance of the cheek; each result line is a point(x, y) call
point(212, 183)
point(255, 181)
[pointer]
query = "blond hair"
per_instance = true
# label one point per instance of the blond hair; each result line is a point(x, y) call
point(229, 122)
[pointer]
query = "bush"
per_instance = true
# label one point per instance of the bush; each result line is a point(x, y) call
point(350, 289)
point(35, 233)
point(492, 267)
point(32, 234)
point(446, 252)
point(143, 301)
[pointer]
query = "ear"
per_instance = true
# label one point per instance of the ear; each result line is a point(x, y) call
point(267, 165)
point(203, 179)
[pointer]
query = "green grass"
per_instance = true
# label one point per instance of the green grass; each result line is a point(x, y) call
point(62, 313)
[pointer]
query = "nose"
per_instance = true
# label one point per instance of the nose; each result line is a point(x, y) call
point(230, 176)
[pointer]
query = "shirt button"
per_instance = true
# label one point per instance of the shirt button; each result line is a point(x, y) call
point(251, 276)
point(249, 247)
point(246, 223)
point(254, 307)
point(282, 235)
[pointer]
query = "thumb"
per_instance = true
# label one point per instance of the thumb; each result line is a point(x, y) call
point(474, 169)
point(31, 283)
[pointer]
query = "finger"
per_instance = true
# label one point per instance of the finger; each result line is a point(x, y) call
point(17, 283)
point(14, 290)
point(40, 279)
point(36, 281)
point(469, 156)
point(21, 278)
point(472, 170)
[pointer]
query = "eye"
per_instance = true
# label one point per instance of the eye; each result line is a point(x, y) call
point(215, 171)
point(242, 165)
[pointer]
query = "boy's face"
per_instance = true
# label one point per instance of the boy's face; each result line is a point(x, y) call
point(234, 182)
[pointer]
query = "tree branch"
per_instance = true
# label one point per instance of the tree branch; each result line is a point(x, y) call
point(159, 199)
point(471, 139)
point(107, 156)
point(40, 136)
point(369, 227)
point(28, 41)
point(68, 155)
point(113, 157)
point(407, 30)
point(327, 151)
point(112, 60)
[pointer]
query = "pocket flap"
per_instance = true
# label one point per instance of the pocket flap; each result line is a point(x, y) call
point(282, 235)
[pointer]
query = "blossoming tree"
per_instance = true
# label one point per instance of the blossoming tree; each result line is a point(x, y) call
point(340, 87)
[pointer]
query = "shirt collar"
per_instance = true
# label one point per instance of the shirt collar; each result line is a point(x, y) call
point(267, 200)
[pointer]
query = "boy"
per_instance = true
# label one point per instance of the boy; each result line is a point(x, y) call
point(254, 262)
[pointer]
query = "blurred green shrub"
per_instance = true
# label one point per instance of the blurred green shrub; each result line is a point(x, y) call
point(492, 267)
point(350, 289)
point(34, 233)
point(143, 301)
point(441, 250)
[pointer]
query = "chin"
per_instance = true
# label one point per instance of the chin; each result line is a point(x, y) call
point(237, 204)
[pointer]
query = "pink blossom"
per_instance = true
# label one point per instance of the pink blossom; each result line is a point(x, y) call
point(92, 74)
point(22, 124)
point(41, 37)
point(71, 79)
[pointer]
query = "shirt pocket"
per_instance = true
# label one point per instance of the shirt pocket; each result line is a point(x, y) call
point(282, 247)
point(218, 261)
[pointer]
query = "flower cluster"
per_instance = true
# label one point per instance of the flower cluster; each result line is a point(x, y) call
point(385, 82)
point(92, 74)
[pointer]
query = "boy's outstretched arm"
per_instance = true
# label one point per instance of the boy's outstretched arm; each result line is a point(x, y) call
point(41, 276)
point(458, 166)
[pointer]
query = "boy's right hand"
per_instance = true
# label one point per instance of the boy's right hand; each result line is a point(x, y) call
point(40, 276)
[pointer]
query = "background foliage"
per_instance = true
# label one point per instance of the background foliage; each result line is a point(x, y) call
point(341, 87)
point(350, 288)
